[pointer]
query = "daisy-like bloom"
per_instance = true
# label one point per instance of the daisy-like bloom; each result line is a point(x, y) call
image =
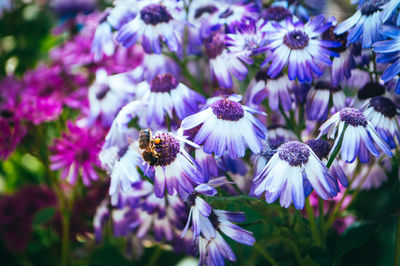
point(155, 21)
point(319, 97)
point(322, 149)
point(295, 44)
point(343, 64)
point(276, 13)
point(174, 168)
point(166, 96)
point(370, 176)
point(293, 167)
point(389, 52)
point(277, 90)
point(226, 125)
point(390, 9)
point(278, 134)
point(382, 113)
point(222, 63)
point(76, 153)
point(370, 90)
point(365, 24)
point(359, 135)
point(103, 43)
point(302, 8)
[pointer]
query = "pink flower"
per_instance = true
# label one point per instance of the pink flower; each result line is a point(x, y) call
point(76, 153)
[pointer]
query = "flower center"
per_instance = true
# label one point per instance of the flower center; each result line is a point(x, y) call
point(384, 106)
point(227, 13)
point(214, 220)
point(214, 45)
point(294, 152)
point(163, 83)
point(154, 14)
point(227, 110)
point(267, 152)
point(371, 89)
point(329, 35)
point(324, 85)
point(101, 94)
point(320, 147)
point(82, 156)
point(167, 148)
point(353, 117)
point(276, 13)
point(6, 113)
point(209, 9)
point(369, 7)
point(296, 40)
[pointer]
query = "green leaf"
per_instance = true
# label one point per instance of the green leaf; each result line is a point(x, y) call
point(320, 256)
point(43, 216)
point(354, 236)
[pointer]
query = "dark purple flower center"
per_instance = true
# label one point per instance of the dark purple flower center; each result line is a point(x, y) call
point(101, 94)
point(82, 155)
point(168, 148)
point(384, 106)
point(293, 152)
point(214, 220)
point(163, 83)
point(320, 147)
point(296, 40)
point(214, 45)
point(262, 75)
point(324, 85)
point(227, 13)
point(329, 35)
point(227, 110)
point(154, 14)
point(371, 89)
point(353, 117)
point(209, 9)
point(276, 13)
point(267, 151)
point(369, 7)
point(191, 199)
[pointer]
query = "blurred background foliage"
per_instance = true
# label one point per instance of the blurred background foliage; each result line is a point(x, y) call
point(26, 37)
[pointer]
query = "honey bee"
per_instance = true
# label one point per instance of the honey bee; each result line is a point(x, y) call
point(147, 144)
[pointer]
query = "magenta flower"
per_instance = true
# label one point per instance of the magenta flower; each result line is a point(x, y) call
point(76, 153)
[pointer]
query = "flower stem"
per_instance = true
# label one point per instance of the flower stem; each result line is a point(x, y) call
point(265, 254)
point(313, 225)
point(337, 148)
point(397, 246)
point(65, 238)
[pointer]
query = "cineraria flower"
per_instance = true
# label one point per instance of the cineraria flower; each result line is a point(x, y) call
point(222, 63)
point(365, 24)
point(277, 90)
point(226, 125)
point(382, 113)
point(302, 8)
point(278, 134)
point(322, 149)
point(292, 169)
point(99, 220)
point(103, 43)
point(389, 9)
point(76, 152)
point(389, 52)
point(174, 167)
point(343, 64)
point(320, 96)
point(295, 44)
point(276, 13)
point(165, 95)
point(359, 135)
point(155, 21)
point(371, 89)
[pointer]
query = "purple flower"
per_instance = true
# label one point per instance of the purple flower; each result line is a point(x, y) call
point(389, 9)
point(226, 125)
point(76, 153)
point(295, 44)
point(276, 13)
point(222, 63)
point(368, 91)
point(382, 113)
point(100, 219)
point(365, 24)
point(292, 169)
point(155, 21)
point(302, 8)
point(359, 136)
point(319, 98)
point(103, 43)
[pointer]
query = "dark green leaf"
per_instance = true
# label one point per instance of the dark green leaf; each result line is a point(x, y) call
point(43, 216)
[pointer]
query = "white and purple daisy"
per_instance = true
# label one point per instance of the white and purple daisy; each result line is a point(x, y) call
point(103, 43)
point(389, 52)
point(296, 45)
point(319, 98)
point(290, 170)
point(365, 24)
point(226, 125)
point(358, 136)
point(383, 115)
point(155, 21)
point(277, 90)
point(164, 95)
point(222, 63)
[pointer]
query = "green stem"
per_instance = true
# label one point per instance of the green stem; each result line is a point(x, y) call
point(65, 238)
point(321, 220)
point(234, 198)
point(266, 255)
point(155, 257)
point(313, 225)
point(397, 245)
point(337, 148)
